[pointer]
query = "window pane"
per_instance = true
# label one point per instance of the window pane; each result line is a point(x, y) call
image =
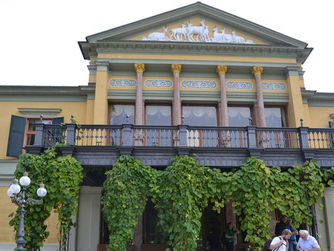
point(199, 115)
point(30, 139)
point(119, 113)
point(158, 115)
point(238, 116)
point(273, 116)
point(32, 123)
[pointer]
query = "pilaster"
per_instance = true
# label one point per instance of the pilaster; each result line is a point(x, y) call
point(101, 98)
point(176, 69)
point(257, 71)
point(295, 106)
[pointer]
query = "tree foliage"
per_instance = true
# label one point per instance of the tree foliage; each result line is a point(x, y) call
point(61, 176)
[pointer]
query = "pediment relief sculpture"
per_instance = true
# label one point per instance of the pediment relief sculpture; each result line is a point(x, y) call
point(193, 33)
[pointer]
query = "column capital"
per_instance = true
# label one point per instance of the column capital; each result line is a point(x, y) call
point(102, 66)
point(257, 70)
point(176, 68)
point(139, 67)
point(221, 69)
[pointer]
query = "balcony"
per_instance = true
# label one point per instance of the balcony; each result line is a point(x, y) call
point(223, 147)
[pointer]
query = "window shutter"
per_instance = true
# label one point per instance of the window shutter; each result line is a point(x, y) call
point(16, 136)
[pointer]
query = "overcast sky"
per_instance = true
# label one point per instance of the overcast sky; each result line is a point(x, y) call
point(38, 38)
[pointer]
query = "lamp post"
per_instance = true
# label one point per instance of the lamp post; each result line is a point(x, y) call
point(20, 198)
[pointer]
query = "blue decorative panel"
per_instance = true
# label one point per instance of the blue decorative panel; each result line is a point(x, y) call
point(199, 84)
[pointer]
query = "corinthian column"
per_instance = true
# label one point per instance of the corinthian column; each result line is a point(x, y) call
point(176, 69)
point(140, 68)
point(223, 111)
point(261, 120)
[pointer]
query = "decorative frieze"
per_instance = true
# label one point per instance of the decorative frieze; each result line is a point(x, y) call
point(199, 84)
point(158, 83)
point(239, 85)
point(123, 82)
point(274, 86)
point(197, 33)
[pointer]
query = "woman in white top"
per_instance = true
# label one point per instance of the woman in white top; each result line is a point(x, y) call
point(281, 243)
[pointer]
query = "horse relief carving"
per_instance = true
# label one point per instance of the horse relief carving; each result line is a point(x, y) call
point(192, 33)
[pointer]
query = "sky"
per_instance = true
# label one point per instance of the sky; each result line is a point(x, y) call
point(39, 38)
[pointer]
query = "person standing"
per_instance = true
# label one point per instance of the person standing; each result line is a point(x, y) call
point(307, 242)
point(230, 236)
point(281, 243)
point(280, 226)
point(293, 238)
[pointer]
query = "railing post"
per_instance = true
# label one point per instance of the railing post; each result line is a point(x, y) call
point(303, 141)
point(127, 135)
point(252, 143)
point(39, 128)
point(70, 137)
point(303, 137)
point(183, 135)
point(251, 132)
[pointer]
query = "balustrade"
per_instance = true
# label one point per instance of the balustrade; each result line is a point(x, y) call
point(184, 136)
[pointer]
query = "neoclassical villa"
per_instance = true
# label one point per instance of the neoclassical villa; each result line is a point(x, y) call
point(169, 85)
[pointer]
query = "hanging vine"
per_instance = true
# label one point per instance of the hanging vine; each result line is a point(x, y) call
point(251, 200)
point(127, 188)
point(183, 189)
point(61, 176)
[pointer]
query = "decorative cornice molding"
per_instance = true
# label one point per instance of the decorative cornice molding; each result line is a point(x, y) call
point(102, 66)
point(158, 95)
point(43, 93)
point(221, 69)
point(124, 95)
point(194, 48)
point(36, 112)
point(320, 99)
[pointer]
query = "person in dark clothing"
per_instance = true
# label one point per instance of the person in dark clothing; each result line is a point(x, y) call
point(280, 226)
point(230, 235)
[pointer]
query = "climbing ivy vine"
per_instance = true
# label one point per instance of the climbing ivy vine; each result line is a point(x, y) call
point(61, 176)
point(184, 188)
point(127, 187)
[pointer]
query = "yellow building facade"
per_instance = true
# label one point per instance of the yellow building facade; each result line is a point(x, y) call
point(196, 66)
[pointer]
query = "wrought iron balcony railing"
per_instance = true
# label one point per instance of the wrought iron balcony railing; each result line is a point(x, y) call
point(184, 136)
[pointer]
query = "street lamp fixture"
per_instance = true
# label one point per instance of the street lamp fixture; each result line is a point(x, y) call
point(20, 198)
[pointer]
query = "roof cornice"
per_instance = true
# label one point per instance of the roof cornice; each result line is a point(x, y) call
point(314, 98)
point(91, 49)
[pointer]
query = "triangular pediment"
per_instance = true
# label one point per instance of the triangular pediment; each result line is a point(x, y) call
point(198, 29)
point(197, 22)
